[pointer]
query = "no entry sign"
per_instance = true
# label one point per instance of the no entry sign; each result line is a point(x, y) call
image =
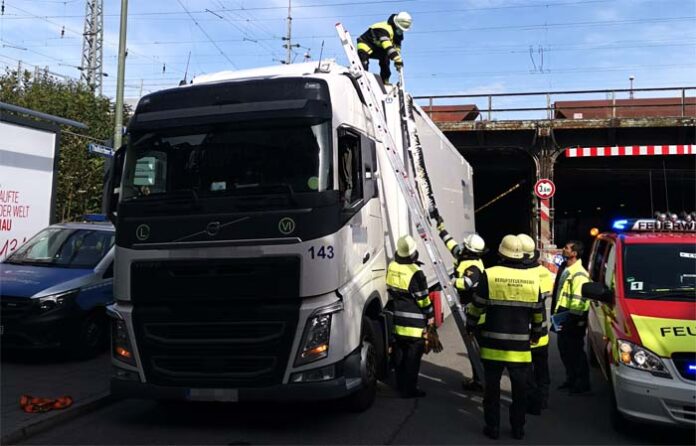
point(544, 188)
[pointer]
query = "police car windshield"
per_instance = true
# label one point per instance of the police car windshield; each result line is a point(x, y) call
point(64, 248)
point(660, 271)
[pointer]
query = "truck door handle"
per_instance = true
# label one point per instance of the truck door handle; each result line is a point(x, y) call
point(366, 257)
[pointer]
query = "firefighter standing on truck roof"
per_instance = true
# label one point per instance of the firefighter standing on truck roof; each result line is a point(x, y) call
point(468, 269)
point(413, 312)
point(540, 378)
point(382, 41)
point(570, 304)
point(510, 296)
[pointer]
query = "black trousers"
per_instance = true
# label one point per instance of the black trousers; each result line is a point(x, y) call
point(571, 346)
point(384, 61)
point(539, 379)
point(491, 396)
point(407, 357)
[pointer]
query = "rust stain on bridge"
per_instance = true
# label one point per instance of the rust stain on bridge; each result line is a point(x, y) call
point(562, 124)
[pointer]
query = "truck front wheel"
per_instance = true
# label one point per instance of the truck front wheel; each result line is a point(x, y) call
point(365, 397)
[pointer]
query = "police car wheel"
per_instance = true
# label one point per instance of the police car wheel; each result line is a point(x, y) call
point(91, 339)
point(365, 397)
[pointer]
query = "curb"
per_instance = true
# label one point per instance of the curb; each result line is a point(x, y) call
point(57, 417)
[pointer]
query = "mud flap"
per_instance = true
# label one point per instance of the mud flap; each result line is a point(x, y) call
point(388, 321)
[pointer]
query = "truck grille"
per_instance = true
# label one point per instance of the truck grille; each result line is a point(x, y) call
point(217, 336)
point(683, 362)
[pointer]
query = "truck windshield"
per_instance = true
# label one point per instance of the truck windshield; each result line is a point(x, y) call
point(64, 248)
point(229, 158)
point(660, 271)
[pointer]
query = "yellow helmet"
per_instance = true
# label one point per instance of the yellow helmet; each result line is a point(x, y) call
point(474, 243)
point(406, 246)
point(528, 245)
point(511, 247)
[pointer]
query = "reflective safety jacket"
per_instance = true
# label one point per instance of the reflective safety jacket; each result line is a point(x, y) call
point(408, 290)
point(510, 296)
point(382, 37)
point(569, 291)
point(546, 290)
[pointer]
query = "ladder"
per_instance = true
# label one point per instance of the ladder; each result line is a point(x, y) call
point(411, 195)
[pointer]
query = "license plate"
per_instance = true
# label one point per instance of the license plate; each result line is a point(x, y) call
point(224, 395)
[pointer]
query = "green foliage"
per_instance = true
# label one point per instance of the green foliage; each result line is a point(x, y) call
point(80, 174)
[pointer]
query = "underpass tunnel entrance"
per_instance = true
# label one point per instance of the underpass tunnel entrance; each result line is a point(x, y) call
point(593, 192)
point(503, 182)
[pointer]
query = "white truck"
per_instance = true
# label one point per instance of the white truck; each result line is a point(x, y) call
point(256, 214)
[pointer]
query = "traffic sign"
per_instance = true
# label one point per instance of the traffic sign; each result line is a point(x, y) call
point(544, 188)
point(101, 150)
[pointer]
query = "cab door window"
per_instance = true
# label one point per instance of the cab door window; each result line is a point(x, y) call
point(350, 181)
point(598, 259)
point(610, 268)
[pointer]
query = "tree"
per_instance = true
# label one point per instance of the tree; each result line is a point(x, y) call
point(80, 174)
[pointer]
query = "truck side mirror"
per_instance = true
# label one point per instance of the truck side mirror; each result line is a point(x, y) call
point(597, 291)
point(112, 182)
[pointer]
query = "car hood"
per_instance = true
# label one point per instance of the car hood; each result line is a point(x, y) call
point(664, 327)
point(27, 281)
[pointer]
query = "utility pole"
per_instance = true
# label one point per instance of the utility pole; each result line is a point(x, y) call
point(120, 77)
point(93, 45)
point(631, 78)
point(288, 39)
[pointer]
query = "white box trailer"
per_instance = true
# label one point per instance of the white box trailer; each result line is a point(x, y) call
point(255, 218)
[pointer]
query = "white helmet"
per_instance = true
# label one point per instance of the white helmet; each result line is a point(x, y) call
point(511, 247)
point(528, 245)
point(403, 21)
point(474, 243)
point(406, 246)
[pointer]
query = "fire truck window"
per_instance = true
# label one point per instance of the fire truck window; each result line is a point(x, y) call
point(598, 260)
point(610, 270)
point(350, 168)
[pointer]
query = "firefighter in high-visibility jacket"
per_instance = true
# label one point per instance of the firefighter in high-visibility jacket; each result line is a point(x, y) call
point(413, 312)
point(569, 303)
point(382, 41)
point(510, 296)
point(467, 273)
point(540, 378)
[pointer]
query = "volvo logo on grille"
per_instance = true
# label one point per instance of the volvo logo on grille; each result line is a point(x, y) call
point(213, 228)
point(142, 232)
point(286, 225)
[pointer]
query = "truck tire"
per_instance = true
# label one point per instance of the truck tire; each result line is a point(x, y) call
point(91, 337)
point(363, 399)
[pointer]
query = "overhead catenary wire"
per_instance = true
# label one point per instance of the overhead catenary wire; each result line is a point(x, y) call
point(205, 33)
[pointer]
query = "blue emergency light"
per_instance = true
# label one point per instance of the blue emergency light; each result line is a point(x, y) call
point(619, 225)
point(94, 218)
point(656, 224)
point(692, 368)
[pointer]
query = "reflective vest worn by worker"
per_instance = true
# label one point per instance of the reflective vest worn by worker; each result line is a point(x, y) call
point(382, 37)
point(570, 292)
point(546, 289)
point(408, 290)
point(511, 300)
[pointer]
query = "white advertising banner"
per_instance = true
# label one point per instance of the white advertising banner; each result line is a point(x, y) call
point(26, 183)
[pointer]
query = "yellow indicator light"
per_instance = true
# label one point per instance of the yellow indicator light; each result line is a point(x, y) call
point(316, 350)
point(594, 232)
point(120, 351)
point(625, 357)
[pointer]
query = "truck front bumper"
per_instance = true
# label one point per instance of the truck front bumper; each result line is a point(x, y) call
point(643, 397)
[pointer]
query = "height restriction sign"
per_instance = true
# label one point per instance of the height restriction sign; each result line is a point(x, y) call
point(544, 188)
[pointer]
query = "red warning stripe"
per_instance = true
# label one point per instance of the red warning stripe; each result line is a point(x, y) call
point(650, 150)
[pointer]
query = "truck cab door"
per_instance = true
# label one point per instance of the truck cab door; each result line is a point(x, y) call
point(595, 318)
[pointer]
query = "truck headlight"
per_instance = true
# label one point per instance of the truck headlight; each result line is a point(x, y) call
point(48, 303)
point(641, 358)
point(120, 341)
point(317, 333)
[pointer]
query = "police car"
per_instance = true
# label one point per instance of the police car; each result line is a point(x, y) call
point(642, 319)
point(54, 289)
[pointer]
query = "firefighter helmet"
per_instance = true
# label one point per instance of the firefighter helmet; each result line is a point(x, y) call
point(474, 243)
point(511, 247)
point(403, 21)
point(406, 246)
point(528, 245)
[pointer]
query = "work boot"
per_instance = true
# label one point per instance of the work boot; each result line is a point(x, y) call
point(491, 432)
point(470, 385)
point(533, 409)
point(518, 433)
point(417, 393)
point(544, 405)
point(565, 385)
point(580, 389)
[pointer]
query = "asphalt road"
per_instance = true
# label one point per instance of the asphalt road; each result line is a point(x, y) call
point(445, 416)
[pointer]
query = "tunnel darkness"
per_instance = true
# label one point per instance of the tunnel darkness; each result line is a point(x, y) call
point(592, 192)
point(495, 171)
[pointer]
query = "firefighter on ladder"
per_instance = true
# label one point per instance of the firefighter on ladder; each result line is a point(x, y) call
point(382, 41)
point(413, 313)
point(540, 378)
point(467, 273)
point(510, 296)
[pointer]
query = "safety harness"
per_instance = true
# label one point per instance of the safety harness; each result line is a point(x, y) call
point(30, 404)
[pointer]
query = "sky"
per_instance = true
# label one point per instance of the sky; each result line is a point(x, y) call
point(454, 47)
